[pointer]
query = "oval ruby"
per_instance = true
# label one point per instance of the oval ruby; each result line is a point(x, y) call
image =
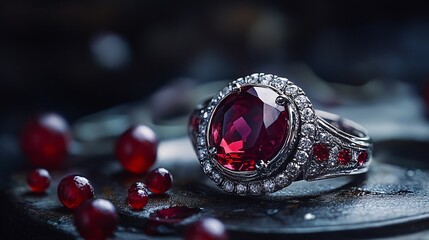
point(247, 127)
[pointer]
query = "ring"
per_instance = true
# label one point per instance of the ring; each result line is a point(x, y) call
point(260, 133)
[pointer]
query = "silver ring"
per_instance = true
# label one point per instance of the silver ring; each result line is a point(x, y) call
point(260, 133)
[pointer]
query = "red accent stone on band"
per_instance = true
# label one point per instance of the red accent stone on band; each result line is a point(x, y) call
point(362, 158)
point(320, 152)
point(344, 156)
point(247, 127)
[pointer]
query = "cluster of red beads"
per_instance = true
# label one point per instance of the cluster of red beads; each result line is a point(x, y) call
point(45, 141)
point(321, 153)
point(158, 181)
point(137, 196)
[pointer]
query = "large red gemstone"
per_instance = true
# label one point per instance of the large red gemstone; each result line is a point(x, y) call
point(247, 127)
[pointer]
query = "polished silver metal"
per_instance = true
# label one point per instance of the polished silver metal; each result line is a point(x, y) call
point(294, 161)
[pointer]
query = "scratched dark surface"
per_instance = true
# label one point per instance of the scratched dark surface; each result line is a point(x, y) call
point(390, 201)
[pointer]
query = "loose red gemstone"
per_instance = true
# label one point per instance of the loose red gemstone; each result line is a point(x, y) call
point(159, 180)
point(136, 149)
point(320, 152)
point(74, 190)
point(96, 219)
point(247, 127)
point(45, 140)
point(137, 198)
point(362, 157)
point(206, 229)
point(39, 180)
point(344, 156)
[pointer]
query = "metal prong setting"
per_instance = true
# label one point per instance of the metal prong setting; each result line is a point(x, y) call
point(281, 100)
point(262, 166)
point(212, 151)
point(236, 88)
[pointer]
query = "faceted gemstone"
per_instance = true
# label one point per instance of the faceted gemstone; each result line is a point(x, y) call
point(96, 219)
point(137, 198)
point(320, 152)
point(159, 180)
point(248, 127)
point(39, 180)
point(74, 190)
point(362, 158)
point(344, 156)
point(45, 140)
point(206, 229)
point(136, 149)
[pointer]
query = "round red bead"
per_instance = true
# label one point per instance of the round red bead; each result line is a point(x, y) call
point(45, 140)
point(320, 152)
point(96, 219)
point(159, 180)
point(362, 157)
point(38, 180)
point(74, 190)
point(137, 198)
point(136, 149)
point(247, 127)
point(344, 156)
point(206, 229)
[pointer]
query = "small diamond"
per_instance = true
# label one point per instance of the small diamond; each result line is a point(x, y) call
point(269, 186)
point(307, 114)
point(313, 169)
point(279, 83)
point(304, 144)
point(202, 128)
point(202, 154)
point(241, 188)
point(207, 167)
point(292, 170)
point(255, 188)
point(205, 115)
point(265, 79)
point(301, 101)
point(282, 180)
point(225, 91)
point(239, 81)
point(332, 164)
point(254, 78)
point(308, 130)
point(324, 137)
point(216, 177)
point(301, 156)
point(201, 141)
point(228, 186)
point(291, 90)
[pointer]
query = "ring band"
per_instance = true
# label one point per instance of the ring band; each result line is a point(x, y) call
point(260, 133)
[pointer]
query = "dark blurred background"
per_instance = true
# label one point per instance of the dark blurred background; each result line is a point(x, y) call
point(81, 57)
